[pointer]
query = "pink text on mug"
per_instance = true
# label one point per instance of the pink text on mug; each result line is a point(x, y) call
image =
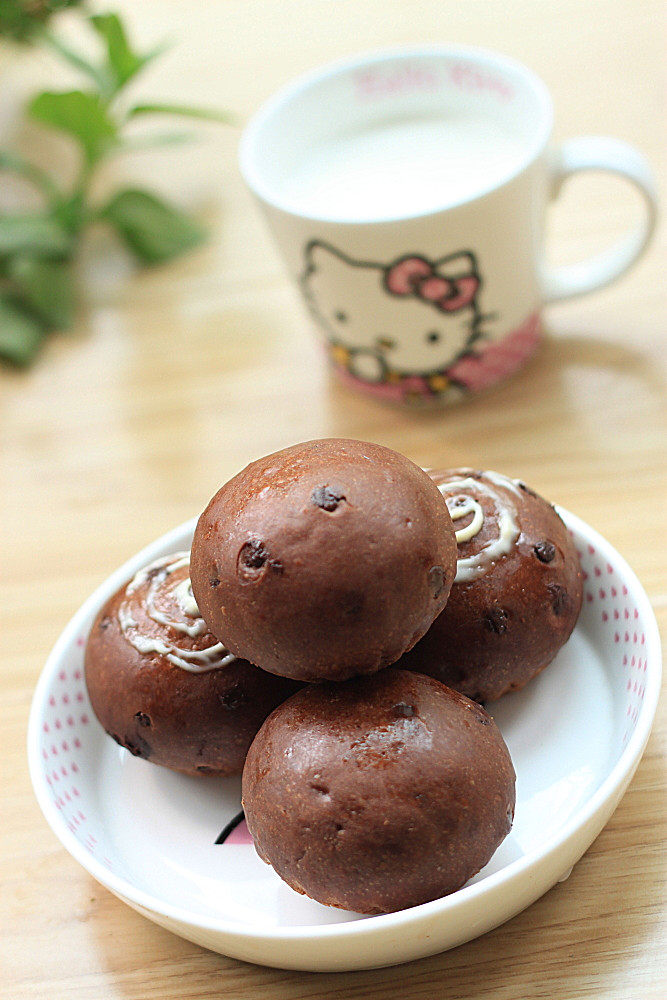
point(407, 191)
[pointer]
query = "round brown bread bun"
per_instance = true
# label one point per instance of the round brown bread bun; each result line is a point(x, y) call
point(518, 588)
point(140, 665)
point(378, 794)
point(325, 560)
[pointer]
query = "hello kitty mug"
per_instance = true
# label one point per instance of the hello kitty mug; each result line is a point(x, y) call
point(407, 192)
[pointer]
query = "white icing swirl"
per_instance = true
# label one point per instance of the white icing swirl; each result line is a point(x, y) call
point(196, 661)
point(460, 505)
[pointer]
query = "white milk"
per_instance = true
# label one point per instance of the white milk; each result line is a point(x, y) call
point(403, 167)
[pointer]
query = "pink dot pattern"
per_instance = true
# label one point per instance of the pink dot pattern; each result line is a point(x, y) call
point(606, 598)
point(68, 718)
point(64, 730)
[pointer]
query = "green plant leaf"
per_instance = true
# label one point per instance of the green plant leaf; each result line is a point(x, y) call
point(46, 287)
point(34, 234)
point(124, 62)
point(182, 111)
point(22, 20)
point(72, 212)
point(20, 333)
point(17, 164)
point(82, 115)
point(97, 74)
point(154, 230)
point(142, 142)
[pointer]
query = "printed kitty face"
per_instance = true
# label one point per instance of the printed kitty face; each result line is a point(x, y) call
point(412, 317)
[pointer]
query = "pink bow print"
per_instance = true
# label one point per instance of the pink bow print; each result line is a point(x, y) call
point(416, 276)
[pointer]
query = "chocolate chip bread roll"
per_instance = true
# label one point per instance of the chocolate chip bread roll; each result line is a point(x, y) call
point(518, 588)
point(163, 687)
point(379, 793)
point(325, 560)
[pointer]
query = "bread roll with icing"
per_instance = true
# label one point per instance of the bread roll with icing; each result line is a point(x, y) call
point(517, 593)
point(163, 687)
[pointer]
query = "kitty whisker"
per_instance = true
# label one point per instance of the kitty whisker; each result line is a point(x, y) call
point(475, 332)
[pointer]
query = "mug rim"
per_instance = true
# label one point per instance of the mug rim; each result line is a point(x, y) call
point(279, 100)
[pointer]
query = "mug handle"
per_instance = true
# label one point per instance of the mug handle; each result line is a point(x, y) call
point(616, 157)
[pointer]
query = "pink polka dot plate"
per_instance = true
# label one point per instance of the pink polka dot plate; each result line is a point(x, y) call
point(177, 850)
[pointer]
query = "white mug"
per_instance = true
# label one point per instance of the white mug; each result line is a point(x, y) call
point(407, 191)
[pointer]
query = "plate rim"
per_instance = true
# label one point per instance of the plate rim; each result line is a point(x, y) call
point(617, 778)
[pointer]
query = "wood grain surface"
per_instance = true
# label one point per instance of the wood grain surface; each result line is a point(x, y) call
point(176, 378)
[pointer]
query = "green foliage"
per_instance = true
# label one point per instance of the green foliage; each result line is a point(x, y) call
point(97, 74)
point(17, 164)
point(21, 334)
point(41, 235)
point(37, 249)
point(45, 288)
point(153, 230)
point(83, 116)
point(22, 19)
point(181, 111)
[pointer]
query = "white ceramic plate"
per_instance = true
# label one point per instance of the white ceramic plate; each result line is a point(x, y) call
point(576, 735)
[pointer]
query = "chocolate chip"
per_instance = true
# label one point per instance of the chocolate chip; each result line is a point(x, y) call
point(436, 580)
point(142, 719)
point(403, 710)
point(253, 554)
point(480, 712)
point(460, 501)
point(350, 604)
point(495, 620)
point(215, 582)
point(560, 600)
point(105, 622)
point(253, 558)
point(138, 747)
point(204, 769)
point(545, 551)
point(326, 498)
point(233, 698)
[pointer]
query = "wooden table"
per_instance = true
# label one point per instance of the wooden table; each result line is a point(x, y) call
point(174, 379)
